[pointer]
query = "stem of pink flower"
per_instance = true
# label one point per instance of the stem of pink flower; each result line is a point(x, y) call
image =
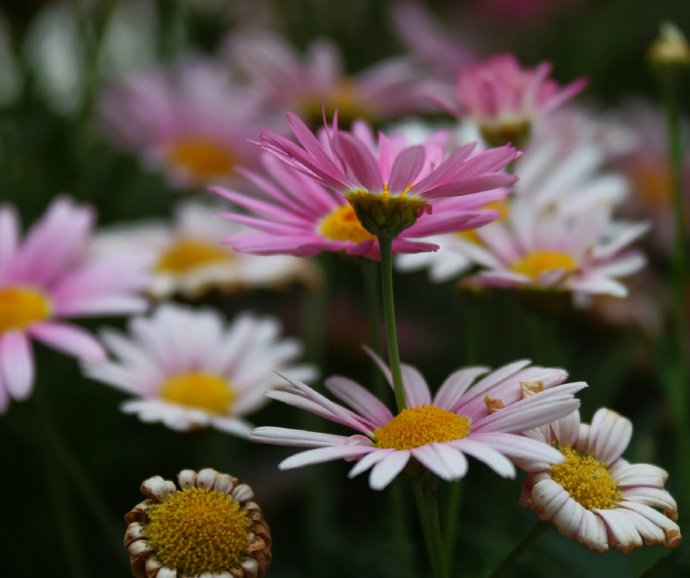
point(425, 492)
point(386, 245)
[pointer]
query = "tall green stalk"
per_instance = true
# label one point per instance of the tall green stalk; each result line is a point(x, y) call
point(679, 273)
point(386, 244)
point(425, 492)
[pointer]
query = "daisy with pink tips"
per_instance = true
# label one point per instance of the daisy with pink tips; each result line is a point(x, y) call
point(50, 276)
point(595, 496)
point(189, 369)
point(483, 421)
point(188, 122)
point(584, 254)
point(505, 99)
point(298, 216)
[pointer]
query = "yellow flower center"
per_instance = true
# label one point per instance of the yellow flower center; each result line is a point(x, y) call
point(586, 479)
point(537, 263)
point(503, 210)
point(202, 157)
point(417, 426)
point(21, 307)
point(185, 255)
point(343, 97)
point(653, 183)
point(199, 390)
point(197, 531)
point(343, 225)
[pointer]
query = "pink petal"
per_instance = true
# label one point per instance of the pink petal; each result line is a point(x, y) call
point(385, 471)
point(296, 437)
point(610, 434)
point(447, 463)
point(406, 167)
point(320, 455)
point(9, 239)
point(17, 364)
point(486, 454)
point(71, 340)
point(359, 399)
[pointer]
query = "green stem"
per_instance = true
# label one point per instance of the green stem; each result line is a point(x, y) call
point(78, 475)
point(519, 548)
point(386, 244)
point(64, 517)
point(679, 273)
point(400, 536)
point(425, 495)
point(452, 519)
point(373, 297)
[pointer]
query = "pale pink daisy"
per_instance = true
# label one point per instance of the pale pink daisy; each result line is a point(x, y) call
point(565, 170)
point(187, 258)
point(505, 99)
point(586, 253)
point(189, 369)
point(391, 185)
point(595, 496)
point(190, 122)
point(308, 83)
point(483, 421)
point(51, 276)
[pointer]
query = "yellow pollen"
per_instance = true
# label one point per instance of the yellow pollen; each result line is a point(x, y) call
point(187, 254)
point(586, 479)
point(537, 263)
point(343, 225)
point(21, 307)
point(202, 157)
point(417, 426)
point(472, 235)
point(197, 531)
point(199, 390)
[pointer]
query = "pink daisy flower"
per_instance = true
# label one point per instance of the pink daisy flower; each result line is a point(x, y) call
point(188, 122)
point(595, 496)
point(50, 276)
point(505, 99)
point(391, 185)
point(298, 216)
point(306, 84)
point(483, 421)
point(583, 253)
point(188, 369)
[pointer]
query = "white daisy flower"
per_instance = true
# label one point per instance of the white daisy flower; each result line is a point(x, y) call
point(595, 496)
point(188, 369)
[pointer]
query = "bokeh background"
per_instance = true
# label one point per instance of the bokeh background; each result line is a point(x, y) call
point(55, 60)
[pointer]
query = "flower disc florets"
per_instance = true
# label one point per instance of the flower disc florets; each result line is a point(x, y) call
point(209, 527)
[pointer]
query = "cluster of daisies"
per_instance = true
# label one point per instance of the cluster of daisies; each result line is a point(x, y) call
point(518, 194)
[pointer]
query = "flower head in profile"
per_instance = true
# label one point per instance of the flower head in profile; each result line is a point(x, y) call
point(189, 122)
point(389, 184)
point(50, 276)
point(505, 99)
point(187, 257)
point(595, 496)
point(316, 80)
point(298, 216)
point(210, 526)
point(188, 369)
point(483, 421)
